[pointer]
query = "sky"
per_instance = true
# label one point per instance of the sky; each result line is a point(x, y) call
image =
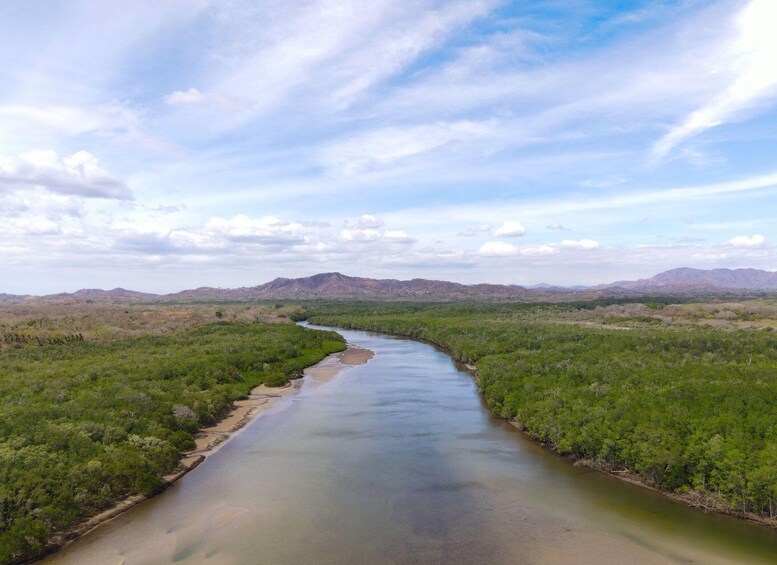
point(160, 145)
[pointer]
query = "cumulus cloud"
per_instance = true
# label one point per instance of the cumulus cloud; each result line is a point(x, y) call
point(366, 234)
point(756, 240)
point(241, 236)
point(398, 235)
point(498, 249)
point(79, 174)
point(556, 226)
point(510, 229)
point(266, 230)
point(369, 221)
point(539, 251)
point(580, 244)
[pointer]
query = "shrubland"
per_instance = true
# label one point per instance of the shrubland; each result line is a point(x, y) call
point(89, 416)
point(646, 389)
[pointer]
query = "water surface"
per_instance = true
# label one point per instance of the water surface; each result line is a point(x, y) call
point(399, 461)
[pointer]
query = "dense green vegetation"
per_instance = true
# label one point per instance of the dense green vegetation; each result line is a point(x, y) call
point(84, 423)
point(689, 408)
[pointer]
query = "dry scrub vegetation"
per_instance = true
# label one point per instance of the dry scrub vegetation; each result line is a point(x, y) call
point(47, 323)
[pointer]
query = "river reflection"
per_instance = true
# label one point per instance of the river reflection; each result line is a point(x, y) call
point(399, 461)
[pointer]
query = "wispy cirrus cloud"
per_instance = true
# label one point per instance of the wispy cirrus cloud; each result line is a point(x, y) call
point(749, 62)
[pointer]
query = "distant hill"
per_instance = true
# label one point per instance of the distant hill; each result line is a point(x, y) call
point(339, 286)
point(336, 286)
point(99, 295)
point(686, 279)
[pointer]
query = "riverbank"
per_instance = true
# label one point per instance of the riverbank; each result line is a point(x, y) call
point(699, 500)
point(694, 499)
point(208, 440)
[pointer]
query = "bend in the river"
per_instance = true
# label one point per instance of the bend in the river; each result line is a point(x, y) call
point(399, 461)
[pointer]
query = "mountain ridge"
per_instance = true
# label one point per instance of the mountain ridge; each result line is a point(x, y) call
point(335, 285)
point(700, 279)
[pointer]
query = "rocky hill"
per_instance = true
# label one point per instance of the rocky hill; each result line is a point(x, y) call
point(338, 286)
point(685, 279)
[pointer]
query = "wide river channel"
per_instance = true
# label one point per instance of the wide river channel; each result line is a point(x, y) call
point(399, 461)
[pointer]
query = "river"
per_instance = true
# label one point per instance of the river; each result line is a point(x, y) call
point(399, 461)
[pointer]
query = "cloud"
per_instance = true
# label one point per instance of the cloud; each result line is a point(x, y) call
point(580, 244)
point(556, 226)
point(510, 229)
point(72, 120)
point(327, 55)
point(472, 231)
point(622, 200)
point(751, 63)
point(383, 147)
point(79, 174)
point(539, 251)
point(398, 235)
point(368, 221)
point(367, 235)
point(194, 98)
point(266, 230)
point(498, 249)
point(183, 97)
point(502, 249)
point(754, 241)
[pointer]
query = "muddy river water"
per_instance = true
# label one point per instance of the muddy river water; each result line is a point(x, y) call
point(399, 461)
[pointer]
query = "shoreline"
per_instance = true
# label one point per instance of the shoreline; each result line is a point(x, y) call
point(697, 500)
point(693, 499)
point(209, 440)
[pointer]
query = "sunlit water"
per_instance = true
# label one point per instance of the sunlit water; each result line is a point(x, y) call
point(399, 461)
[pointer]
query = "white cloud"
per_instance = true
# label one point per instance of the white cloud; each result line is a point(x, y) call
point(369, 221)
point(756, 240)
point(625, 200)
point(355, 238)
point(183, 97)
point(580, 244)
point(502, 249)
point(397, 235)
point(265, 230)
point(751, 62)
point(71, 120)
point(539, 251)
point(472, 231)
point(79, 174)
point(328, 55)
point(498, 248)
point(510, 229)
point(556, 226)
point(385, 146)
point(366, 234)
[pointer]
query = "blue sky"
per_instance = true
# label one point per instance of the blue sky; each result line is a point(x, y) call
point(168, 145)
